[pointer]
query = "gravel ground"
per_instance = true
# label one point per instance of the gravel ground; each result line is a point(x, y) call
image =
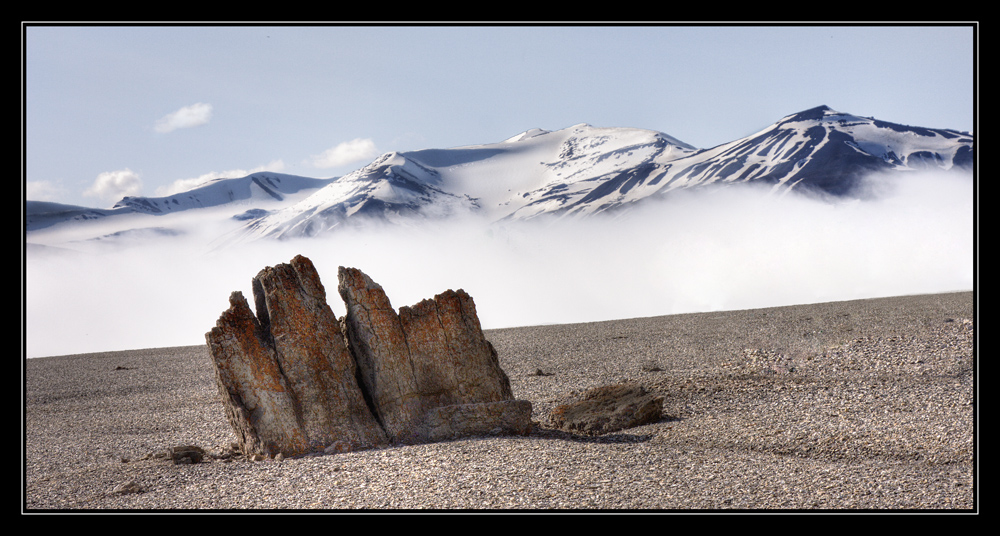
point(860, 405)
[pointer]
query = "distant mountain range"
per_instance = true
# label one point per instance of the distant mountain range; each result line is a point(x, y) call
point(574, 172)
point(258, 189)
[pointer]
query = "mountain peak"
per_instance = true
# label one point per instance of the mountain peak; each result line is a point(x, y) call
point(812, 114)
point(527, 134)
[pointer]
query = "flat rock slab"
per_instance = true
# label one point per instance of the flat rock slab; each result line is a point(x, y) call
point(607, 409)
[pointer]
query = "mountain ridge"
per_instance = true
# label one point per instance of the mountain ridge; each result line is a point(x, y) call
point(584, 170)
point(578, 171)
point(260, 185)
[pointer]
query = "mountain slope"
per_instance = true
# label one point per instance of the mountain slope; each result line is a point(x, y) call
point(253, 191)
point(818, 149)
point(570, 173)
point(584, 170)
point(536, 171)
point(392, 187)
point(826, 150)
point(264, 186)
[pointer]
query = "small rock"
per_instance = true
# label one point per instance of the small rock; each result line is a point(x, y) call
point(187, 454)
point(125, 488)
point(608, 409)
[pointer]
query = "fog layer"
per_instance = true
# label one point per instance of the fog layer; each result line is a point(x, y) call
point(732, 248)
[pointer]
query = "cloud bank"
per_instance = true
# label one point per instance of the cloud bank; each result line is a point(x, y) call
point(43, 190)
point(348, 152)
point(186, 117)
point(113, 185)
point(726, 249)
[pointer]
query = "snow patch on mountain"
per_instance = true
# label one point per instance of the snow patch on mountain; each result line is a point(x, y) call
point(536, 172)
point(392, 187)
point(252, 189)
point(218, 206)
point(575, 172)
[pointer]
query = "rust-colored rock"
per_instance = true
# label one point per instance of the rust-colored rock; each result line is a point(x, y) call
point(607, 409)
point(376, 337)
point(427, 356)
point(286, 376)
point(255, 395)
point(295, 380)
point(503, 417)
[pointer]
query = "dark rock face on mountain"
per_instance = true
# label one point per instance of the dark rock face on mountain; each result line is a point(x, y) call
point(820, 150)
point(296, 380)
point(827, 151)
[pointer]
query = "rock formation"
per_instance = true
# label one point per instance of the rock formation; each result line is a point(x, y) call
point(607, 409)
point(295, 380)
point(429, 356)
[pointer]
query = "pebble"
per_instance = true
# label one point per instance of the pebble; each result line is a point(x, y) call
point(860, 405)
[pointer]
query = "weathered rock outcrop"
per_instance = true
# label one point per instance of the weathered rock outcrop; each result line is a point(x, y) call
point(428, 356)
point(607, 409)
point(295, 380)
point(286, 376)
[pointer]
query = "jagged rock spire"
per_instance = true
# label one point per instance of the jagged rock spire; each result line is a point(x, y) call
point(295, 380)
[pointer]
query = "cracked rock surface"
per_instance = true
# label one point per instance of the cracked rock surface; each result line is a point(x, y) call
point(427, 356)
point(296, 380)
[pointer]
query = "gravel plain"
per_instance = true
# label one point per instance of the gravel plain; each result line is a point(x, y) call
point(864, 405)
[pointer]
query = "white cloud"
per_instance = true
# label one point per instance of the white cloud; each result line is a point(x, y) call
point(113, 185)
point(186, 117)
point(348, 152)
point(43, 191)
point(183, 185)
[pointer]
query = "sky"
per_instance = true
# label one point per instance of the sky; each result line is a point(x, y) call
point(111, 111)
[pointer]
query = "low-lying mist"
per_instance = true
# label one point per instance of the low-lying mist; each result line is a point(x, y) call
point(724, 249)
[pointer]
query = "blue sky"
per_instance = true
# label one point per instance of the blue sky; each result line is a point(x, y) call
point(145, 110)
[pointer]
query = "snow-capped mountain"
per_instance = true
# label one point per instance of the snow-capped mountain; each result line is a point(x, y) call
point(574, 172)
point(825, 150)
point(251, 193)
point(251, 189)
point(392, 187)
point(494, 180)
point(584, 170)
